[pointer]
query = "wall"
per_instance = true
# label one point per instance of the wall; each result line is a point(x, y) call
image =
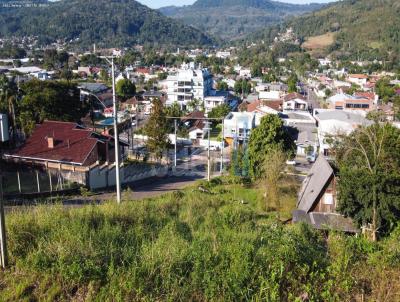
point(104, 176)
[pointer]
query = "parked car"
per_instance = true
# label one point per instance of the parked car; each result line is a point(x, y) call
point(311, 157)
point(213, 148)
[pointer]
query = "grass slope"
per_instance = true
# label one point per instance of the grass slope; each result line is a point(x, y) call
point(189, 246)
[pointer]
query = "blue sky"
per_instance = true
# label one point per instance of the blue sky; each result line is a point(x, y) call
point(160, 3)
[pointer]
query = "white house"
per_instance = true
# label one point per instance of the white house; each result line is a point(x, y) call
point(238, 125)
point(211, 102)
point(358, 79)
point(295, 104)
point(188, 84)
point(270, 95)
point(223, 54)
point(245, 72)
point(295, 101)
point(333, 122)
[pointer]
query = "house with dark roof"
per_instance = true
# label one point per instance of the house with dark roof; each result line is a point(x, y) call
point(317, 200)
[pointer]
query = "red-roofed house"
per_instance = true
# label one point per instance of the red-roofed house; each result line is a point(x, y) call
point(64, 146)
point(358, 79)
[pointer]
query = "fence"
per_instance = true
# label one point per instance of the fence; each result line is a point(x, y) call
point(34, 181)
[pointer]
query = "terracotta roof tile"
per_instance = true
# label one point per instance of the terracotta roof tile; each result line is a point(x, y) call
point(71, 143)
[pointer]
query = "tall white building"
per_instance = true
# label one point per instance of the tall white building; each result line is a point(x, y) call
point(187, 84)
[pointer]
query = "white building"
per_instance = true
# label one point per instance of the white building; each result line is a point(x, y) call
point(238, 125)
point(188, 84)
point(211, 102)
point(223, 54)
point(270, 95)
point(332, 123)
point(295, 104)
point(358, 79)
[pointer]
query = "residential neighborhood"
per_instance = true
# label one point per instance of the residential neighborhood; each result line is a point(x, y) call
point(145, 159)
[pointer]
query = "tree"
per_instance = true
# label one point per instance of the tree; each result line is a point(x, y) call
point(256, 69)
point(292, 83)
point(268, 135)
point(125, 89)
point(385, 91)
point(220, 111)
point(174, 110)
point(242, 87)
point(53, 100)
point(194, 105)
point(221, 85)
point(273, 166)
point(157, 130)
point(328, 92)
point(369, 184)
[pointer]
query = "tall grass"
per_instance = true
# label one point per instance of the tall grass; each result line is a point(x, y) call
point(184, 246)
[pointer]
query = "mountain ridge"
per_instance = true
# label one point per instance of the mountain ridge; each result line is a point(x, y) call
point(360, 28)
point(106, 22)
point(233, 19)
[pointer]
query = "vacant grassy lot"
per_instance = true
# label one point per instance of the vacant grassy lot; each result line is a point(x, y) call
point(319, 42)
point(213, 244)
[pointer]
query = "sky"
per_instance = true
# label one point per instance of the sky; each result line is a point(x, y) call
point(161, 3)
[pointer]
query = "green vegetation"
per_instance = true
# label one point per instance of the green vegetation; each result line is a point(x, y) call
point(157, 130)
point(234, 19)
point(369, 184)
point(190, 245)
point(125, 89)
point(270, 134)
point(360, 29)
point(50, 100)
point(242, 86)
point(220, 111)
point(107, 23)
point(221, 85)
point(12, 51)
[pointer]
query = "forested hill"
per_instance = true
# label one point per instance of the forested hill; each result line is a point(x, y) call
point(365, 29)
point(106, 22)
point(232, 19)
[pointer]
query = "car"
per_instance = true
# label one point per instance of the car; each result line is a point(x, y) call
point(133, 124)
point(213, 148)
point(291, 162)
point(311, 157)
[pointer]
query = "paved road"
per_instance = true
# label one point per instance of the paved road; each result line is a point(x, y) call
point(185, 174)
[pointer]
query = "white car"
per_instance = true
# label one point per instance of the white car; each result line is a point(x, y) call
point(213, 148)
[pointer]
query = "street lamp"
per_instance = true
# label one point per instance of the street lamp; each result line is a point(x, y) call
point(116, 141)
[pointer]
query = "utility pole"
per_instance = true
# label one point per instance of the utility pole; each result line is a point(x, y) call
point(208, 156)
point(3, 243)
point(222, 146)
point(116, 141)
point(176, 139)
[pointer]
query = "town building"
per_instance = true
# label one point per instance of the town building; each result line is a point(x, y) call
point(343, 101)
point(317, 200)
point(332, 123)
point(67, 148)
point(187, 84)
point(238, 126)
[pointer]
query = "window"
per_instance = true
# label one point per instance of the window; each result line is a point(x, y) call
point(328, 199)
